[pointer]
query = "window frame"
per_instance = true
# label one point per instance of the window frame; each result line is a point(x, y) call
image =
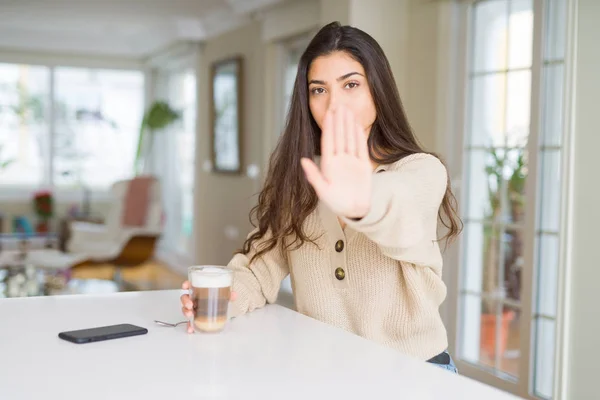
point(462, 15)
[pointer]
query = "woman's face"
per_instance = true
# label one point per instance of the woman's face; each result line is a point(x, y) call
point(337, 79)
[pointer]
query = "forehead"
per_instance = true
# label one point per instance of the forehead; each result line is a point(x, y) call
point(332, 66)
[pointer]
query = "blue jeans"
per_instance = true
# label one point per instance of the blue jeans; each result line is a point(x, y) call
point(449, 367)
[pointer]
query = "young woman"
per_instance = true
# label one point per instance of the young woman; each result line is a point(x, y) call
point(350, 207)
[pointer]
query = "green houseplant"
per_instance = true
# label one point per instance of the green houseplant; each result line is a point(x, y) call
point(506, 172)
point(158, 116)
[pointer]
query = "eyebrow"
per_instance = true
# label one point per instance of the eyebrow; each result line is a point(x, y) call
point(341, 78)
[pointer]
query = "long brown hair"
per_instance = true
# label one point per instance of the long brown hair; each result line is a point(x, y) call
point(287, 198)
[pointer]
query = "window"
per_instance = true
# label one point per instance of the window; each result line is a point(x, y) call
point(550, 148)
point(183, 97)
point(496, 153)
point(97, 122)
point(292, 60)
point(290, 53)
point(174, 158)
point(24, 127)
point(74, 126)
point(511, 202)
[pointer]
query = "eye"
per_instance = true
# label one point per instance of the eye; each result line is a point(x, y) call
point(317, 90)
point(351, 85)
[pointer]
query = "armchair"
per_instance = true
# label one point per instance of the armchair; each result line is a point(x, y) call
point(129, 235)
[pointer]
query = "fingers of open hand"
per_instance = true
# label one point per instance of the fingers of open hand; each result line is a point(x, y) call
point(341, 134)
point(362, 146)
point(350, 132)
point(314, 176)
point(339, 129)
point(327, 137)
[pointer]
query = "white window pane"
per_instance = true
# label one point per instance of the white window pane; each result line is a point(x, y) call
point(487, 114)
point(490, 35)
point(471, 328)
point(547, 270)
point(550, 190)
point(515, 170)
point(518, 108)
point(496, 184)
point(98, 113)
point(514, 253)
point(174, 156)
point(474, 240)
point(552, 116)
point(490, 283)
point(556, 32)
point(482, 247)
point(479, 205)
point(186, 159)
point(24, 135)
point(291, 68)
point(520, 41)
point(509, 341)
point(544, 358)
point(490, 338)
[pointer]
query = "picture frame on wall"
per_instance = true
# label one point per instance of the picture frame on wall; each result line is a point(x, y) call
point(226, 115)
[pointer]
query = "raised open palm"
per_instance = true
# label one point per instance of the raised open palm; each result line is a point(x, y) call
point(343, 181)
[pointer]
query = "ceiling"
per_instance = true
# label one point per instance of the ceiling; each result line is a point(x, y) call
point(123, 28)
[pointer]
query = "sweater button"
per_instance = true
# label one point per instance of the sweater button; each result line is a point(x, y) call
point(339, 246)
point(340, 274)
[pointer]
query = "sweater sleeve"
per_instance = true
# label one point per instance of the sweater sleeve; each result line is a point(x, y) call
point(256, 283)
point(404, 205)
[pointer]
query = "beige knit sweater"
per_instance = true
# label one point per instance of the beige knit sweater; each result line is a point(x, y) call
point(379, 277)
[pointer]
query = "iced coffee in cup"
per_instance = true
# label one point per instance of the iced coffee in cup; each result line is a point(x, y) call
point(210, 293)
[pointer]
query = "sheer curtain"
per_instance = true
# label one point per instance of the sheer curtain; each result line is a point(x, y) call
point(173, 161)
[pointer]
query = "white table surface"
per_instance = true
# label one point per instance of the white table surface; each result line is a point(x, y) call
point(272, 353)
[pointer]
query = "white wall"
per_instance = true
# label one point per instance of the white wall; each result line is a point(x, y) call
point(583, 350)
point(290, 19)
point(224, 201)
point(336, 10)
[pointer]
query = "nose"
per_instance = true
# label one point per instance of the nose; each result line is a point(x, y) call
point(335, 100)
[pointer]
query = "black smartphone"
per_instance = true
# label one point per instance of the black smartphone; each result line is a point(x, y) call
point(102, 333)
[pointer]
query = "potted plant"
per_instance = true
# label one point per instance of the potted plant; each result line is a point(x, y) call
point(506, 174)
point(44, 208)
point(159, 116)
